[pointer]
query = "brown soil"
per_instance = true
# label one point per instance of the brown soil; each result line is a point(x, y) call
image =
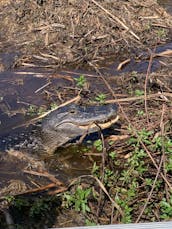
point(56, 33)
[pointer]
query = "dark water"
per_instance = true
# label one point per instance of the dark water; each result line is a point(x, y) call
point(167, 4)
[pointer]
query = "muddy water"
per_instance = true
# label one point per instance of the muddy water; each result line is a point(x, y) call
point(167, 4)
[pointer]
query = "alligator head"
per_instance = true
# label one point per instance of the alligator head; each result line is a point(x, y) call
point(71, 121)
point(60, 127)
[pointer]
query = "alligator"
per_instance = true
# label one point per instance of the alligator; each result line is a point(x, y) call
point(63, 125)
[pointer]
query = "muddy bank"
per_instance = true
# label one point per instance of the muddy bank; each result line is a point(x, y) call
point(54, 33)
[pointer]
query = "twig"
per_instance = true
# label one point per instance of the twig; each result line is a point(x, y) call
point(116, 19)
point(158, 171)
point(45, 85)
point(40, 189)
point(32, 121)
point(44, 174)
point(103, 168)
point(130, 99)
point(146, 83)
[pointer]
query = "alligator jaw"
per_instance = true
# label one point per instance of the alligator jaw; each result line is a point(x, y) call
point(103, 126)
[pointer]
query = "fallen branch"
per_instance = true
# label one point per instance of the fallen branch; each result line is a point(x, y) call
point(130, 99)
point(45, 174)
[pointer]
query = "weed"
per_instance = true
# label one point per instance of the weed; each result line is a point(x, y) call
point(41, 110)
point(144, 136)
point(112, 155)
point(161, 33)
point(80, 82)
point(95, 169)
point(139, 92)
point(140, 112)
point(40, 207)
point(32, 110)
point(100, 98)
point(127, 218)
point(98, 145)
point(166, 208)
point(89, 223)
point(134, 76)
point(79, 199)
point(9, 199)
point(53, 106)
point(149, 182)
point(109, 177)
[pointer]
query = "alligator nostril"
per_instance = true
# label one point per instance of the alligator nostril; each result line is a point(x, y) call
point(73, 111)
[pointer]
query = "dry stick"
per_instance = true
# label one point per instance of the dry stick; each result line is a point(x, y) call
point(130, 99)
point(134, 129)
point(153, 186)
point(146, 82)
point(41, 88)
point(43, 188)
point(116, 19)
point(44, 174)
point(32, 121)
point(158, 171)
point(103, 168)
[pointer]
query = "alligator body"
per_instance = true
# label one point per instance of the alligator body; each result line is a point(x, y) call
point(62, 126)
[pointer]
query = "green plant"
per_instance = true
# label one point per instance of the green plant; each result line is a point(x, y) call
point(139, 92)
point(113, 155)
point(80, 82)
point(140, 112)
point(166, 208)
point(9, 199)
point(98, 145)
point(144, 136)
point(134, 74)
point(41, 110)
point(127, 218)
point(161, 33)
point(39, 208)
point(149, 182)
point(53, 106)
point(95, 169)
point(109, 177)
point(89, 223)
point(79, 199)
point(32, 110)
point(100, 98)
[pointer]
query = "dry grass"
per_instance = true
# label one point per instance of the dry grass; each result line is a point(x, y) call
point(82, 32)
